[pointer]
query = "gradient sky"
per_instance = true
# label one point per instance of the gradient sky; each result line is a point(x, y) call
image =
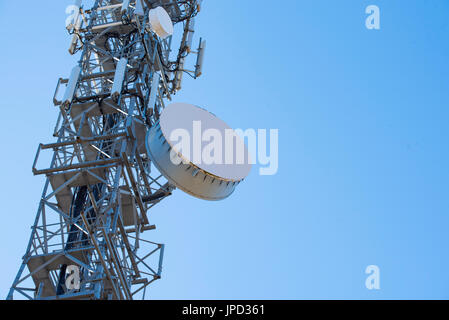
point(363, 153)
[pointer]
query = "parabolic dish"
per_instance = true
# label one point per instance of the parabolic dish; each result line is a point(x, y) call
point(160, 22)
point(214, 159)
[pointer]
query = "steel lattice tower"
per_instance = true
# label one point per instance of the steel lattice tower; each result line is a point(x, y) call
point(101, 184)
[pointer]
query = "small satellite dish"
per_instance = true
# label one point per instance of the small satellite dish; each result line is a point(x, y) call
point(210, 165)
point(160, 22)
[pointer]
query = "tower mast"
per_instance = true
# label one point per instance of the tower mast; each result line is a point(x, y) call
point(88, 240)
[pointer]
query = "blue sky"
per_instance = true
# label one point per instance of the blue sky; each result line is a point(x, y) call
point(363, 150)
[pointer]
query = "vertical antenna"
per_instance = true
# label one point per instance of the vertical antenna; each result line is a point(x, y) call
point(200, 59)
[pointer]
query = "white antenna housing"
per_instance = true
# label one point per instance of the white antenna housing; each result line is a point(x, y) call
point(71, 86)
point(200, 59)
point(73, 44)
point(139, 8)
point(190, 34)
point(161, 23)
point(119, 78)
point(197, 177)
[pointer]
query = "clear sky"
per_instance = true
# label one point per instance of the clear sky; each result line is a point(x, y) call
point(363, 153)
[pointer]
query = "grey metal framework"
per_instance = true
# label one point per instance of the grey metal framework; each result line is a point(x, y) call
point(100, 185)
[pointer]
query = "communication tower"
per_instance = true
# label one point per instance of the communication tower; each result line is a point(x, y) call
point(92, 218)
